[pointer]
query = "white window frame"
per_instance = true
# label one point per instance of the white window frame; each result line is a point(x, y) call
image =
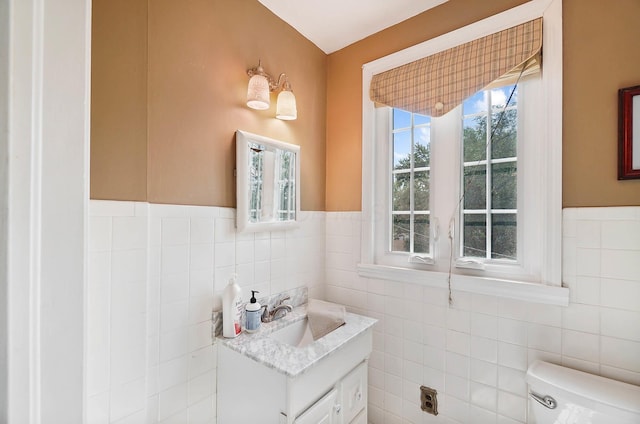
point(528, 264)
point(384, 168)
point(542, 284)
point(526, 107)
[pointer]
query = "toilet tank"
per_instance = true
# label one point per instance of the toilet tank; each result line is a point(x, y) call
point(559, 395)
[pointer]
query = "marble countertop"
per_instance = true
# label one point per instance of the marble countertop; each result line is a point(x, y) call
point(291, 360)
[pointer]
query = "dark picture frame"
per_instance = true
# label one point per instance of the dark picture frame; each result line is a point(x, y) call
point(629, 133)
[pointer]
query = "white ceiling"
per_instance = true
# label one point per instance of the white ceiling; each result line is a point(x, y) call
point(334, 24)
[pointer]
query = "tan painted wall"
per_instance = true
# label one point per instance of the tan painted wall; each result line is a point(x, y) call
point(600, 56)
point(119, 100)
point(600, 46)
point(198, 53)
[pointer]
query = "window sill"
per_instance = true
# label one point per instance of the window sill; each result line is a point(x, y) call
point(529, 292)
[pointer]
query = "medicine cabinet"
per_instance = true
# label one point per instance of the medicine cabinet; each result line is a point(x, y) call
point(267, 184)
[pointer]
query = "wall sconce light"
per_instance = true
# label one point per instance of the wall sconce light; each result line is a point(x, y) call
point(261, 84)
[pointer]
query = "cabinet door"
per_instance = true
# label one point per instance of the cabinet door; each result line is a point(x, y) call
point(354, 392)
point(324, 411)
point(361, 418)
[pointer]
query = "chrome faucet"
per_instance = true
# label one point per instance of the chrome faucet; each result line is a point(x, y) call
point(277, 312)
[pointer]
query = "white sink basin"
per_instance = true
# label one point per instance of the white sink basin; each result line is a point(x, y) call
point(295, 334)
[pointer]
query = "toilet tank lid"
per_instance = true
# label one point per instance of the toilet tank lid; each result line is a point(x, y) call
point(604, 390)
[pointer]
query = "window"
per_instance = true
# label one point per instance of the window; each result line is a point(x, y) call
point(409, 178)
point(488, 187)
point(471, 156)
point(474, 192)
point(489, 191)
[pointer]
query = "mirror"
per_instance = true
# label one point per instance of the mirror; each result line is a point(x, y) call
point(268, 189)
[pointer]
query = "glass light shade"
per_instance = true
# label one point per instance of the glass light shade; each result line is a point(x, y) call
point(258, 93)
point(286, 107)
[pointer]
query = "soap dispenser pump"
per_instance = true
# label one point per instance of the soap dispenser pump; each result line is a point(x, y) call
point(253, 310)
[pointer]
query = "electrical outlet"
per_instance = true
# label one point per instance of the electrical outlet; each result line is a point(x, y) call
point(429, 400)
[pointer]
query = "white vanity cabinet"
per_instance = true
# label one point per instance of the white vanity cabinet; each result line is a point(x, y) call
point(333, 390)
point(353, 394)
point(361, 418)
point(324, 411)
point(346, 403)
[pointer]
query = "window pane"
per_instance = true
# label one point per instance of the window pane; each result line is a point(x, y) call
point(255, 181)
point(410, 180)
point(255, 201)
point(499, 96)
point(421, 119)
point(421, 191)
point(401, 150)
point(401, 192)
point(422, 146)
point(505, 185)
point(284, 186)
point(421, 234)
point(475, 104)
point(475, 236)
point(504, 236)
point(400, 233)
point(475, 138)
point(475, 188)
point(504, 143)
point(401, 119)
point(283, 191)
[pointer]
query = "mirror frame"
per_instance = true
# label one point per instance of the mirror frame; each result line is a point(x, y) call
point(628, 133)
point(243, 138)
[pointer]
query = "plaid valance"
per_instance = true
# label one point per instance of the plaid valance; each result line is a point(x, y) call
point(438, 83)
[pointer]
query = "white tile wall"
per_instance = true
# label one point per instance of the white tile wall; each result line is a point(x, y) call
point(116, 311)
point(476, 352)
point(156, 273)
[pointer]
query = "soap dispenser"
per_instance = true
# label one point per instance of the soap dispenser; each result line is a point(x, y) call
point(253, 311)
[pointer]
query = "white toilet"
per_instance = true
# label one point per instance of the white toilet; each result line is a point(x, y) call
point(559, 395)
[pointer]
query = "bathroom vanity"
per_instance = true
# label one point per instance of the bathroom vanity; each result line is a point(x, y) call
point(279, 376)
